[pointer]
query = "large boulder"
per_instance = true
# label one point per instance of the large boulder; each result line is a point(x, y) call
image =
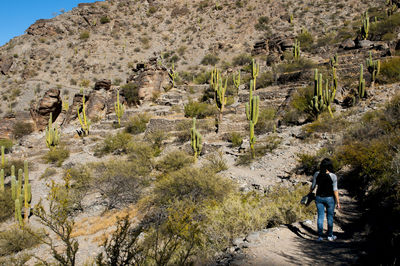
point(51, 103)
point(347, 44)
point(104, 84)
point(96, 104)
point(73, 109)
point(5, 64)
point(151, 80)
point(43, 27)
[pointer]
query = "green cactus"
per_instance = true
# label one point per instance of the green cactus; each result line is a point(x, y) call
point(2, 180)
point(255, 69)
point(52, 135)
point(322, 98)
point(195, 140)
point(65, 104)
point(13, 187)
point(365, 26)
point(3, 161)
point(85, 123)
point(296, 49)
point(12, 170)
point(236, 81)
point(252, 111)
point(18, 212)
point(173, 75)
point(219, 92)
point(361, 84)
point(119, 109)
point(27, 192)
point(19, 183)
point(291, 19)
point(373, 66)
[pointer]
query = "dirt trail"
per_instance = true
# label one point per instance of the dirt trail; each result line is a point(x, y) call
point(296, 244)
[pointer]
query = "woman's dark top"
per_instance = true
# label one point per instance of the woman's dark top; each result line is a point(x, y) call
point(327, 183)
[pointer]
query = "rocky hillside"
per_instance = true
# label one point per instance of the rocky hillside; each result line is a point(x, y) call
point(156, 58)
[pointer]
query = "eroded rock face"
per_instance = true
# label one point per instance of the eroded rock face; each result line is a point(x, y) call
point(5, 64)
point(96, 104)
point(8, 121)
point(73, 109)
point(104, 84)
point(151, 80)
point(39, 54)
point(51, 103)
point(43, 27)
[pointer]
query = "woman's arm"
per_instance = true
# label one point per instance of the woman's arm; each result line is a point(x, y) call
point(336, 194)
point(314, 182)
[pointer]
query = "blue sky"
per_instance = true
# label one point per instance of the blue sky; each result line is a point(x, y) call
point(17, 15)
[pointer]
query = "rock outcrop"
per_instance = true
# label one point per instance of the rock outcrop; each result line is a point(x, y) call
point(104, 84)
point(51, 103)
point(5, 64)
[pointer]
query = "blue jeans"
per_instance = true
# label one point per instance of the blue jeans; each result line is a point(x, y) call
point(329, 204)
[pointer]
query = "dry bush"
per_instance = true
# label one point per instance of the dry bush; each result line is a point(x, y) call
point(137, 124)
point(15, 240)
point(21, 129)
point(57, 155)
point(174, 161)
point(117, 143)
point(6, 205)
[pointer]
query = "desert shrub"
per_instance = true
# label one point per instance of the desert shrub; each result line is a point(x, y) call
point(306, 39)
point(48, 173)
point(262, 24)
point(296, 65)
point(309, 162)
point(209, 59)
point(57, 155)
point(21, 129)
point(183, 129)
point(174, 161)
point(131, 93)
point(199, 109)
point(265, 121)
point(7, 143)
point(104, 20)
point(117, 143)
point(261, 147)
point(84, 35)
point(81, 182)
point(137, 124)
point(390, 71)
point(298, 105)
point(120, 182)
point(202, 77)
point(265, 79)
point(191, 183)
point(215, 162)
point(236, 139)
point(6, 205)
point(15, 240)
point(383, 27)
point(325, 124)
point(156, 138)
point(141, 151)
point(242, 59)
point(18, 164)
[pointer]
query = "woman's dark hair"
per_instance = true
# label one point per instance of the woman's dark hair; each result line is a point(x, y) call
point(326, 164)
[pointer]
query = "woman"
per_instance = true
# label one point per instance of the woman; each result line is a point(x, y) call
point(327, 195)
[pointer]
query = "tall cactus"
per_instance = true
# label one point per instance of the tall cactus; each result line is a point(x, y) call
point(195, 140)
point(373, 67)
point(219, 92)
point(365, 26)
point(255, 69)
point(361, 84)
point(173, 75)
point(322, 98)
point(13, 187)
point(252, 111)
point(236, 81)
point(2, 181)
point(3, 161)
point(85, 123)
point(52, 135)
point(296, 49)
point(119, 109)
point(18, 212)
point(27, 192)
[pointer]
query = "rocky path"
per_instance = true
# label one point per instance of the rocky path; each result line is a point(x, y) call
point(296, 244)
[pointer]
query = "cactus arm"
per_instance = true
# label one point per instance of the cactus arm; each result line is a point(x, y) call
point(236, 81)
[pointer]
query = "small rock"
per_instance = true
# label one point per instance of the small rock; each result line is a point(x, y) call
point(253, 237)
point(365, 44)
point(347, 44)
point(237, 241)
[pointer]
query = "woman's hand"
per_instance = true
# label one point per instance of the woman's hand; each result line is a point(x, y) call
point(338, 205)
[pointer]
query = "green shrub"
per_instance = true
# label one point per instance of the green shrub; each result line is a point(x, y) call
point(262, 24)
point(199, 109)
point(141, 151)
point(57, 155)
point(131, 93)
point(265, 121)
point(21, 129)
point(202, 77)
point(265, 79)
point(216, 162)
point(242, 60)
point(306, 40)
point(383, 27)
point(309, 163)
point(115, 143)
point(390, 71)
point(84, 35)
point(6, 205)
point(137, 124)
point(298, 105)
point(210, 59)
point(104, 20)
point(325, 124)
point(15, 240)
point(7, 143)
point(156, 138)
point(296, 65)
point(236, 139)
point(174, 161)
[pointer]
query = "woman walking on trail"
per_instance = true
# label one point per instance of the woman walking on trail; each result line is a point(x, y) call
point(327, 195)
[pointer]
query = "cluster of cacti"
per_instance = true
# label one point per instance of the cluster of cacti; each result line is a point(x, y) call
point(219, 91)
point(21, 193)
point(361, 83)
point(119, 109)
point(323, 97)
point(85, 123)
point(373, 66)
point(173, 75)
point(365, 26)
point(195, 140)
point(252, 108)
point(52, 134)
point(296, 49)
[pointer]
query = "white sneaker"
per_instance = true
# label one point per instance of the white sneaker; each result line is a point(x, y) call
point(332, 238)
